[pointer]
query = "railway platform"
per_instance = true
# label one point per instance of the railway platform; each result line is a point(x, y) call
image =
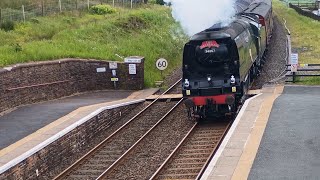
point(273, 137)
point(28, 126)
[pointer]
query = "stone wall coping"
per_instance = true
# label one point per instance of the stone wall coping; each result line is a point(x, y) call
point(65, 60)
point(53, 138)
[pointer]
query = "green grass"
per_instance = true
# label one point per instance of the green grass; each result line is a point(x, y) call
point(150, 32)
point(300, 1)
point(308, 81)
point(304, 33)
point(304, 36)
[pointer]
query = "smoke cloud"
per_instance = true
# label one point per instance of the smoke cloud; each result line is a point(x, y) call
point(198, 15)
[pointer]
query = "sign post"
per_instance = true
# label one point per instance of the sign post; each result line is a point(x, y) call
point(114, 66)
point(162, 64)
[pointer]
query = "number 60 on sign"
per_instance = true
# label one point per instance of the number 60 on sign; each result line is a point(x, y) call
point(162, 64)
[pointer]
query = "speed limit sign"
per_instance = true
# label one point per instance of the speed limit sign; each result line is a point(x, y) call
point(162, 64)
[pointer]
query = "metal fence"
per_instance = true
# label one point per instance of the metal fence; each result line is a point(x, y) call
point(26, 12)
point(303, 70)
point(306, 5)
point(304, 12)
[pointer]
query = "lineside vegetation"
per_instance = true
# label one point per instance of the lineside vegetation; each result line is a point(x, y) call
point(304, 35)
point(149, 31)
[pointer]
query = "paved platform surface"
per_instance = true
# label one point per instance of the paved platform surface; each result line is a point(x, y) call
point(28, 126)
point(28, 119)
point(275, 136)
point(236, 154)
point(290, 147)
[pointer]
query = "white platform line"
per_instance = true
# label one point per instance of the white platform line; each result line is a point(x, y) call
point(226, 139)
point(62, 133)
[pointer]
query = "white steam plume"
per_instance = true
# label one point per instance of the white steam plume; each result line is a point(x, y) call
point(198, 15)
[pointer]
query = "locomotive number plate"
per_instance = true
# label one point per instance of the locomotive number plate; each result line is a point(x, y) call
point(234, 89)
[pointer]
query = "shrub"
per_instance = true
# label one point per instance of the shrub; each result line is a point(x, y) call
point(161, 2)
point(35, 20)
point(132, 22)
point(7, 25)
point(102, 9)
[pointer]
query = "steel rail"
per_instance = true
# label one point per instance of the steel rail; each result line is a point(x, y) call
point(174, 151)
point(92, 151)
point(133, 146)
point(214, 151)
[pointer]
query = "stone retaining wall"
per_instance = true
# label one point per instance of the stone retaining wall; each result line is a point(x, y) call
point(34, 82)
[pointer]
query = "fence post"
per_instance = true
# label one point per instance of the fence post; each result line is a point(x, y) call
point(23, 14)
point(0, 15)
point(11, 16)
point(88, 4)
point(131, 3)
point(42, 8)
point(76, 4)
point(113, 3)
point(60, 6)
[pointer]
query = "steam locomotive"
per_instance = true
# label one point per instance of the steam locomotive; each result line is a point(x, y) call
point(220, 62)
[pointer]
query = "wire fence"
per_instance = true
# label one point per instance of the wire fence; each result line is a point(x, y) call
point(26, 12)
point(304, 12)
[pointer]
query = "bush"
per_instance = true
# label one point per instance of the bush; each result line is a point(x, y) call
point(35, 20)
point(102, 9)
point(161, 2)
point(7, 25)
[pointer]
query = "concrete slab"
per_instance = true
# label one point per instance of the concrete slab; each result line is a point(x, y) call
point(166, 96)
point(290, 148)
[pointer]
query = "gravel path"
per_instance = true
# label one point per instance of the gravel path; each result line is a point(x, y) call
point(276, 58)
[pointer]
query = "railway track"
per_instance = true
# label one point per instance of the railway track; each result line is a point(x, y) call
point(139, 147)
point(114, 147)
point(141, 159)
point(191, 156)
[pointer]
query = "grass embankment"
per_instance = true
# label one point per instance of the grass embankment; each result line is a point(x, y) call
point(304, 36)
point(150, 32)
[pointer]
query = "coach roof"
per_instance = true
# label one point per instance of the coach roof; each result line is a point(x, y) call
point(259, 7)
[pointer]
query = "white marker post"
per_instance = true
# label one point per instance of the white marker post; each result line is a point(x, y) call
point(162, 64)
point(294, 61)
